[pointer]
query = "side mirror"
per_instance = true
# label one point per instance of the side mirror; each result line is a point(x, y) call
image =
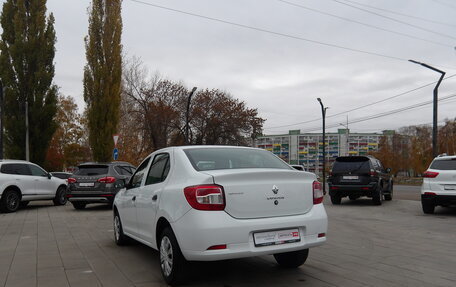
point(388, 170)
point(49, 175)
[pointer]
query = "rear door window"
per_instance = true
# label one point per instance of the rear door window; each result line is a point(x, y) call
point(444, 164)
point(159, 169)
point(15, 168)
point(137, 178)
point(92, 170)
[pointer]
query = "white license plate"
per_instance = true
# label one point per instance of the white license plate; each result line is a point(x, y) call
point(86, 184)
point(350, 177)
point(276, 237)
point(450, 187)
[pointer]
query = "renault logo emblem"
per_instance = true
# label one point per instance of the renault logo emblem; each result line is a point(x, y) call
point(275, 189)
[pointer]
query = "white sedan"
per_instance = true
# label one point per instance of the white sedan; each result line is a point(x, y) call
point(204, 203)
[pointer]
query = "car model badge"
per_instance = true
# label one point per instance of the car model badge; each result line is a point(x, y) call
point(275, 189)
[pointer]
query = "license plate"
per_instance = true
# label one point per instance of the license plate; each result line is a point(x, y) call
point(86, 184)
point(450, 187)
point(350, 177)
point(276, 237)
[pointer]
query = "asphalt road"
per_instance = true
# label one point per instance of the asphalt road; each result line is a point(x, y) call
point(394, 244)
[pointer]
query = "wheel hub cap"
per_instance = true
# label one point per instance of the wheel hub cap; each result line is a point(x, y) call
point(166, 256)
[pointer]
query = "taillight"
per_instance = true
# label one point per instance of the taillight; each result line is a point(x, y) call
point(317, 192)
point(205, 197)
point(71, 180)
point(430, 174)
point(373, 173)
point(107, 179)
point(217, 247)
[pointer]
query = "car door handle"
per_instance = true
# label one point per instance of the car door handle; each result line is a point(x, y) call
point(133, 198)
point(154, 198)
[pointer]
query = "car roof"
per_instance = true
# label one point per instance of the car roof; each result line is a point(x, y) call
point(106, 163)
point(13, 161)
point(444, 157)
point(214, 146)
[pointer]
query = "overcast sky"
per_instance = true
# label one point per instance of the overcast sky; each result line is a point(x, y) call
point(282, 76)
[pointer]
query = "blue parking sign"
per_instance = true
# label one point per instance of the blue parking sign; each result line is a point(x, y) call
point(115, 153)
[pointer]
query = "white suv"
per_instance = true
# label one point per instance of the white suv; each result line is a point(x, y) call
point(439, 184)
point(23, 181)
point(205, 203)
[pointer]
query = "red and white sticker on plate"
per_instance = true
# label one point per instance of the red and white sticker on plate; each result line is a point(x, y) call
point(276, 237)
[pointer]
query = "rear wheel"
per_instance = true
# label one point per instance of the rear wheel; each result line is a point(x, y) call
point(292, 259)
point(60, 196)
point(79, 205)
point(377, 197)
point(119, 236)
point(428, 208)
point(172, 262)
point(389, 195)
point(336, 199)
point(10, 201)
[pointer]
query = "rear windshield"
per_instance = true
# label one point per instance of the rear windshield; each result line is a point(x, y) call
point(351, 164)
point(91, 170)
point(233, 158)
point(446, 164)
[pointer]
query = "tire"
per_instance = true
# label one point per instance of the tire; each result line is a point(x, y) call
point(172, 262)
point(79, 205)
point(60, 196)
point(336, 199)
point(119, 237)
point(292, 259)
point(10, 201)
point(389, 195)
point(428, 208)
point(377, 197)
point(23, 204)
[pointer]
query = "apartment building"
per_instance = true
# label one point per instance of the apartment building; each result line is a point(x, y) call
point(306, 148)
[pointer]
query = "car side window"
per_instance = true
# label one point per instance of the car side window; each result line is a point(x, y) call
point(380, 167)
point(37, 171)
point(123, 170)
point(136, 179)
point(159, 169)
point(15, 168)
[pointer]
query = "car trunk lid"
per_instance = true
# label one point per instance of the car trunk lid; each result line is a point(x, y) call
point(258, 193)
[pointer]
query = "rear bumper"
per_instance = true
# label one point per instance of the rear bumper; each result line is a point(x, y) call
point(199, 230)
point(91, 198)
point(356, 190)
point(436, 199)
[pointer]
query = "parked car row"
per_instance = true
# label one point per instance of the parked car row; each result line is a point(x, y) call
point(206, 203)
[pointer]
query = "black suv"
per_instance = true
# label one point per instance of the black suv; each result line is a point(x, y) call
point(97, 182)
point(356, 176)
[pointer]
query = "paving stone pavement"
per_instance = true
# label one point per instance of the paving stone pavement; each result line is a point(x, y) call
point(390, 245)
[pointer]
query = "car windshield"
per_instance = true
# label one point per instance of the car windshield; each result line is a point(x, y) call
point(444, 164)
point(233, 158)
point(351, 164)
point(91, 170)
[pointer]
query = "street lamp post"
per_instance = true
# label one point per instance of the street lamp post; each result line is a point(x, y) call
point(323, 113)
point(187, 115)
point(435, 150)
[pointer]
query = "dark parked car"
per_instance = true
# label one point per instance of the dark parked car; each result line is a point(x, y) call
point(97, 182)
point(356, 176)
